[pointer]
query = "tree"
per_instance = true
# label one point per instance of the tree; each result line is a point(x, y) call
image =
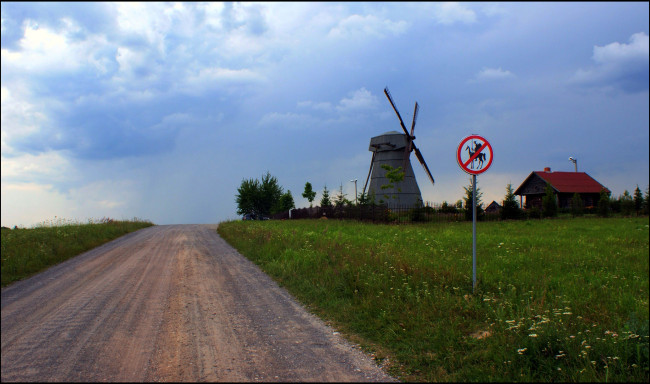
point(468, 202)
point(638, 200)
point(646, 201)
point(340, 199)
point(285, 203)
point(603, 203)
point(510, 208)
point(549, 202)
point(247, 197)
point(363, 198)
point(627, 204)
point(258, 197)
point(577, 205)
point(309, 194)
point(270, 193)
point(325, 200)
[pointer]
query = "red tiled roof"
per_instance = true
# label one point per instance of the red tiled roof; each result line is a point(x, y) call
point(571, 182)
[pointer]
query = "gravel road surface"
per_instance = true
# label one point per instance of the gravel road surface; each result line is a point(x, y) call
point(167, 303)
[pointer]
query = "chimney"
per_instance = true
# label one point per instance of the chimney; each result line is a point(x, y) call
point(547, 169)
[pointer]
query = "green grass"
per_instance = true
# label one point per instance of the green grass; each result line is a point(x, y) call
point(27, 251)
point(556, 300)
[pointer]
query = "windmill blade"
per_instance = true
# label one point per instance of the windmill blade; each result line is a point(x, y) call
point(424, 164)
point(369, 171)
point(401, 122)
point(415, 116)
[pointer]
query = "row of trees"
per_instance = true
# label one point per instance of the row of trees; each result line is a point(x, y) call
point(266, 197)
point(626, 204)
point(337, 200)
point(394, 175)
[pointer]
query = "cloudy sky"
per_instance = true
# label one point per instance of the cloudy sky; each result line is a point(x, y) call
point(159, 110)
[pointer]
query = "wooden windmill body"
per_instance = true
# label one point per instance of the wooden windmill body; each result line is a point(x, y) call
point(393, 149)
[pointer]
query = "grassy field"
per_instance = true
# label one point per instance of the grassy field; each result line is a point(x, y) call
point(556, 300)
point(26, 251)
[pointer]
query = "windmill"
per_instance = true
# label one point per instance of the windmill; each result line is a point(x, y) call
point(394, 149)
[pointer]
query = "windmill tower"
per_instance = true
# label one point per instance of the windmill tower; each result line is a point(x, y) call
point(394, 149)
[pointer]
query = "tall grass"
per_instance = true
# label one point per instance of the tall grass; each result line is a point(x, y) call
point(556, 300)
point(26, 251)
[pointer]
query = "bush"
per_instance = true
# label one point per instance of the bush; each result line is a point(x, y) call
point(534, 213)
point(446, 208)
point(418, 214)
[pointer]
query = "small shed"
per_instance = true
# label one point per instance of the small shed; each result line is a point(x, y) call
point(564, 184)
point(494, 207)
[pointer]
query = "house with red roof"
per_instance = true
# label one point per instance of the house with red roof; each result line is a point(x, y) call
point(564, 185)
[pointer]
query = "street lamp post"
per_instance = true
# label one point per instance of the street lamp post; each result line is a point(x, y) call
point(575, 163)
point(355, 190)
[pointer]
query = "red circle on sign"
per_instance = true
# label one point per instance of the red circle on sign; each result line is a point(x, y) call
point(468, 164)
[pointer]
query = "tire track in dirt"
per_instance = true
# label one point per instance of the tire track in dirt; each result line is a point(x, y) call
point(167, 303)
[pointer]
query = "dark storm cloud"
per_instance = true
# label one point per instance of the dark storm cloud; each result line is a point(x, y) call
point(186, 99)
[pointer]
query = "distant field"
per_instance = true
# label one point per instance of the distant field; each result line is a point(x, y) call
point(557, 300)
point(26, 251)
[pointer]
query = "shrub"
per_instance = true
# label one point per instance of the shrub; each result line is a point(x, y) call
point(534, 213)
point(418, 214)
point(603, 203)
point(549, 202)
point(577, 205)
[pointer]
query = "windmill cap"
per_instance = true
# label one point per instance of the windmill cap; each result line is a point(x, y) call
point(388, 141)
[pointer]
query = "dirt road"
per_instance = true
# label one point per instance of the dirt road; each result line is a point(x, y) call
point(167, 303)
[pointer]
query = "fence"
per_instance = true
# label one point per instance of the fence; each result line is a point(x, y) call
point(383, 213)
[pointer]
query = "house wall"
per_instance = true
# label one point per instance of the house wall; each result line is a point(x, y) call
point(534, 191)
point(589, 200)
point(563, 200)
point(536, 185)
point(533, 201)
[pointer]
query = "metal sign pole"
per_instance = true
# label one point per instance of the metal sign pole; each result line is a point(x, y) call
point(473, 232)
point(478, 150)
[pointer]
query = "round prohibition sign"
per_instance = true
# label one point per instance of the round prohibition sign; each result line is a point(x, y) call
point(474, 154)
